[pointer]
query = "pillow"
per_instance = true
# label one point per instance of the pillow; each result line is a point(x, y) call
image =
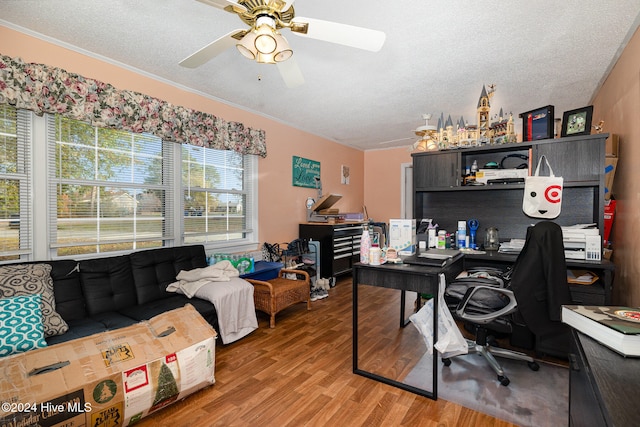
point(21, 326)
point(31, 279)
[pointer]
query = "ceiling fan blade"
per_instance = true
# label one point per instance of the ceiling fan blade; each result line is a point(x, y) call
point(228, 5)
point(211, 50)
point(394, 140)
point(348, 35)
point(291, 73)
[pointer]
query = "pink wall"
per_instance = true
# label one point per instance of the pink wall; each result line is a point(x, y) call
point(281, 205)
point(618, 104)
point(383, 177)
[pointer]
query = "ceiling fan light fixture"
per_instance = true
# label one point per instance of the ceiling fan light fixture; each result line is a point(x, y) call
point(246, 45)
point(283, 55)
point(265, 41)
point(283, 51)
point(265, 44)
point(265, 58)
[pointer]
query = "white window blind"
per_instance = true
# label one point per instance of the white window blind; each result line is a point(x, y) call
point(16, 240)
point(219, 197)
point(110, 190)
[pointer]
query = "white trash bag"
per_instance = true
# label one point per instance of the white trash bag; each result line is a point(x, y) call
point(450, 340)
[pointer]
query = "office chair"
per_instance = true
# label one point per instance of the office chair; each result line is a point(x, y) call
point(533, 291)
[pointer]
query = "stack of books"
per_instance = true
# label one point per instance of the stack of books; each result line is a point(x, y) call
point(616, 327)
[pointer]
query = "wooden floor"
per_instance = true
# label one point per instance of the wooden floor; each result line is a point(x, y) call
point(300, 373)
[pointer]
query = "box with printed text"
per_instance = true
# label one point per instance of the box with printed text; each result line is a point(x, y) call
point(112, 378)
point(402, 236)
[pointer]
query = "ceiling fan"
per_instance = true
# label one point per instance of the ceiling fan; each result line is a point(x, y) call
point(264, 43)
point(427, 134)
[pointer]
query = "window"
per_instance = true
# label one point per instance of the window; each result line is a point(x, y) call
point(218, 196)
point(109, 190)
point(15, 182)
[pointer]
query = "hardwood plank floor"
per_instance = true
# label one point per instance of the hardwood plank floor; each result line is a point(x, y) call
point(300, 373)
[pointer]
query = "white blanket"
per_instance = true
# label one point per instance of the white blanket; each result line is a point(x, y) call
point(231, 296)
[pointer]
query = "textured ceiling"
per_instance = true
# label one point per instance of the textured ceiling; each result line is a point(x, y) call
point(437, 56)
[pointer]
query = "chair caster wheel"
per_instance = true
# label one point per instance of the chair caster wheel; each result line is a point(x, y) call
point(533, 365)
point(503, 380)
point(446, 362)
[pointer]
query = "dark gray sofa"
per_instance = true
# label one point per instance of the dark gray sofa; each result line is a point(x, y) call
point(101, 294)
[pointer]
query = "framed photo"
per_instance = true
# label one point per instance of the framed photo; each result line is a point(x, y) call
point(537, 124)
point(344, 176)
point(577, 122)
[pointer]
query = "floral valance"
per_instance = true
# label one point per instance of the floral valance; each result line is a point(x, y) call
point(45, 89)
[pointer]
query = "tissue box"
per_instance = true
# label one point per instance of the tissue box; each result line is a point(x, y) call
point(402, 236)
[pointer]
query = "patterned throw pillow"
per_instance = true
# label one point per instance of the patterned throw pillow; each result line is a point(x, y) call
point(20, 325)
point(31, 279)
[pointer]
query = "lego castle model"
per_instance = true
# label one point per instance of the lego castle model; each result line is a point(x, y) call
point(488, 130)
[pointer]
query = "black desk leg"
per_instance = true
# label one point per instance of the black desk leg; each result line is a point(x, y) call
point(403, 300)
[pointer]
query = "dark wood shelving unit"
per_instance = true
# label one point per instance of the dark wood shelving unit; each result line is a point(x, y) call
point(439, 194)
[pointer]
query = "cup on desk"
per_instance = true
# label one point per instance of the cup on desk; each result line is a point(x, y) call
point(375, 256)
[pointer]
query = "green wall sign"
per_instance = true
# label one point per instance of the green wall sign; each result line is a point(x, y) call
point(304, 172)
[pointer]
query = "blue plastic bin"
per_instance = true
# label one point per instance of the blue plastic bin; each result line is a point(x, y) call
point(264, 270)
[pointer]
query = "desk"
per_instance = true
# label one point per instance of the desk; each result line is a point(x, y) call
point(597, 294)
point(603, 385)
point(402, 277)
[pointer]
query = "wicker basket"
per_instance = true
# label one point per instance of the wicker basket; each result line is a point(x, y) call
point(275, 295)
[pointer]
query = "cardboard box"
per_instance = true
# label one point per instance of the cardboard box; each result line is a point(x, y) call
point(484, 175)
point(109, 379)
point(402, 236)
point(610, 164)
point(611, 146)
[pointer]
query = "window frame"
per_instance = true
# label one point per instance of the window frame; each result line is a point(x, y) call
point(250, 185)
point(130, 182)
point(42, 187)
point(23, 174)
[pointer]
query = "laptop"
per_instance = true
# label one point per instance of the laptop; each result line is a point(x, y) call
point(433, 257)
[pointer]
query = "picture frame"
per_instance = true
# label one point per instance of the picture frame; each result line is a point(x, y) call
point(538, 124)
point(305, 173)
point(577, 122)
point(344, 174)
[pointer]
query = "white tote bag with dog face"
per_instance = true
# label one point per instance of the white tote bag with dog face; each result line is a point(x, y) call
point(542, 194)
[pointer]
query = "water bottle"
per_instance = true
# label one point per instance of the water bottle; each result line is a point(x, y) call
point(462, 234)
point(365, 246)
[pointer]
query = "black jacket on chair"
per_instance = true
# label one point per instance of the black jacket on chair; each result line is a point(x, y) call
point(539, 279)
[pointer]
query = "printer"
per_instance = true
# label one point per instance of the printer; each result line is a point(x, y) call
point(582, 243)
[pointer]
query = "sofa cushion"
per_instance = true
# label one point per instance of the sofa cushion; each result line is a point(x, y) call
point(154, 269)
point(78, 328)
point(107, 284)
point(21, 327)
point(114, 320)
point(31, 279)
point(67, 289)
point(153, 308)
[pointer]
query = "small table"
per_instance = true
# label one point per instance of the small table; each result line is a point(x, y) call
point(403, 277)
